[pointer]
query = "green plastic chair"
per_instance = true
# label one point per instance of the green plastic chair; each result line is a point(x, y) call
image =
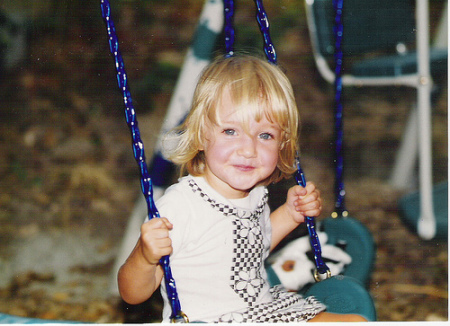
point(358, 242)
point(344, 295)
point(388, 27)
point(377, 35)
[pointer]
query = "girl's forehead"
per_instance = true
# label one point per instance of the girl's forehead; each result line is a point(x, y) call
point(229, 108)
point(226, 105)
point(238, 106)
point(231, 104)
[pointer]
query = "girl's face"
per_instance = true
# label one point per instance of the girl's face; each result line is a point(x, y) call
point(239, 158)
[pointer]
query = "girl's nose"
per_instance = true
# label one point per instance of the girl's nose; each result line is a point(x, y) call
point(247, 147)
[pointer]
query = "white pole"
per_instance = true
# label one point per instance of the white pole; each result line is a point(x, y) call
point(426, 227)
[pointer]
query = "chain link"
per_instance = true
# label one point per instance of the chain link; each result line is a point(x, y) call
point(263, 22)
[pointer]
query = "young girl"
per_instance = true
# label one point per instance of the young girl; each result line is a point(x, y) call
point(240, 136)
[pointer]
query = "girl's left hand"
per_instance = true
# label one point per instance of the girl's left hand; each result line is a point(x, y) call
point(304, 202)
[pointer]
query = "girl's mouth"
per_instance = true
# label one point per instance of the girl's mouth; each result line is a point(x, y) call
point(244, 168)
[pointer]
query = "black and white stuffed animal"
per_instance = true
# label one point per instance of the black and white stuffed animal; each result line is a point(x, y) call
point(294, 264)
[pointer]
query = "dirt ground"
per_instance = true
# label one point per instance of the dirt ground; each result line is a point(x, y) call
point(68, 180)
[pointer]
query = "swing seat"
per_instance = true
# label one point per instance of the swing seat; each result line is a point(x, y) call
point(358, 243)
point(344, 295)
point(341, 294)
point(410, 209)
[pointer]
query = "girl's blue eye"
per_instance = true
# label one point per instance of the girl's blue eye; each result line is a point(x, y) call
point(266, 136)
point(229, 132)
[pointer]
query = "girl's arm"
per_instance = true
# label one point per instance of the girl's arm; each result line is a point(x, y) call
point(141, 274)
point(300, 202)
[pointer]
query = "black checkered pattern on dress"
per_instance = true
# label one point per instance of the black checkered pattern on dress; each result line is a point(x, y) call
point(224, 209)
point(248, 251)
point(246, 278)
point(285, 307)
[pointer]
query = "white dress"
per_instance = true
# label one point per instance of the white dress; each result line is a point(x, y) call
point(219, 248)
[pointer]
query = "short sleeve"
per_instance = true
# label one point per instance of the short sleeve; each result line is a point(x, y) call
point(177, 208)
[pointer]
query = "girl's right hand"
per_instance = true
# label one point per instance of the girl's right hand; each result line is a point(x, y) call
point(155, 239)
point(140, 275)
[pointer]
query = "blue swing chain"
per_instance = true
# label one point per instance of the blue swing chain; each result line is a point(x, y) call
point(263, 22)
point(139, 154)
point(321, 267)
point(340, 210)
point(229, 28)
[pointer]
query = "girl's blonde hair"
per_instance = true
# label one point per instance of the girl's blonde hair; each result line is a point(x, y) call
point(257, 89)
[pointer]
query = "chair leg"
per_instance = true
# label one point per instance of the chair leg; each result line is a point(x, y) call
point(417, 142)
point(421, 133)
point(426, 227)
point(402, 176)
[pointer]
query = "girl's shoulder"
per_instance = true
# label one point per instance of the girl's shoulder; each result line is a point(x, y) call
point(187, 188)
point(181, 195)
point(177, 192)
